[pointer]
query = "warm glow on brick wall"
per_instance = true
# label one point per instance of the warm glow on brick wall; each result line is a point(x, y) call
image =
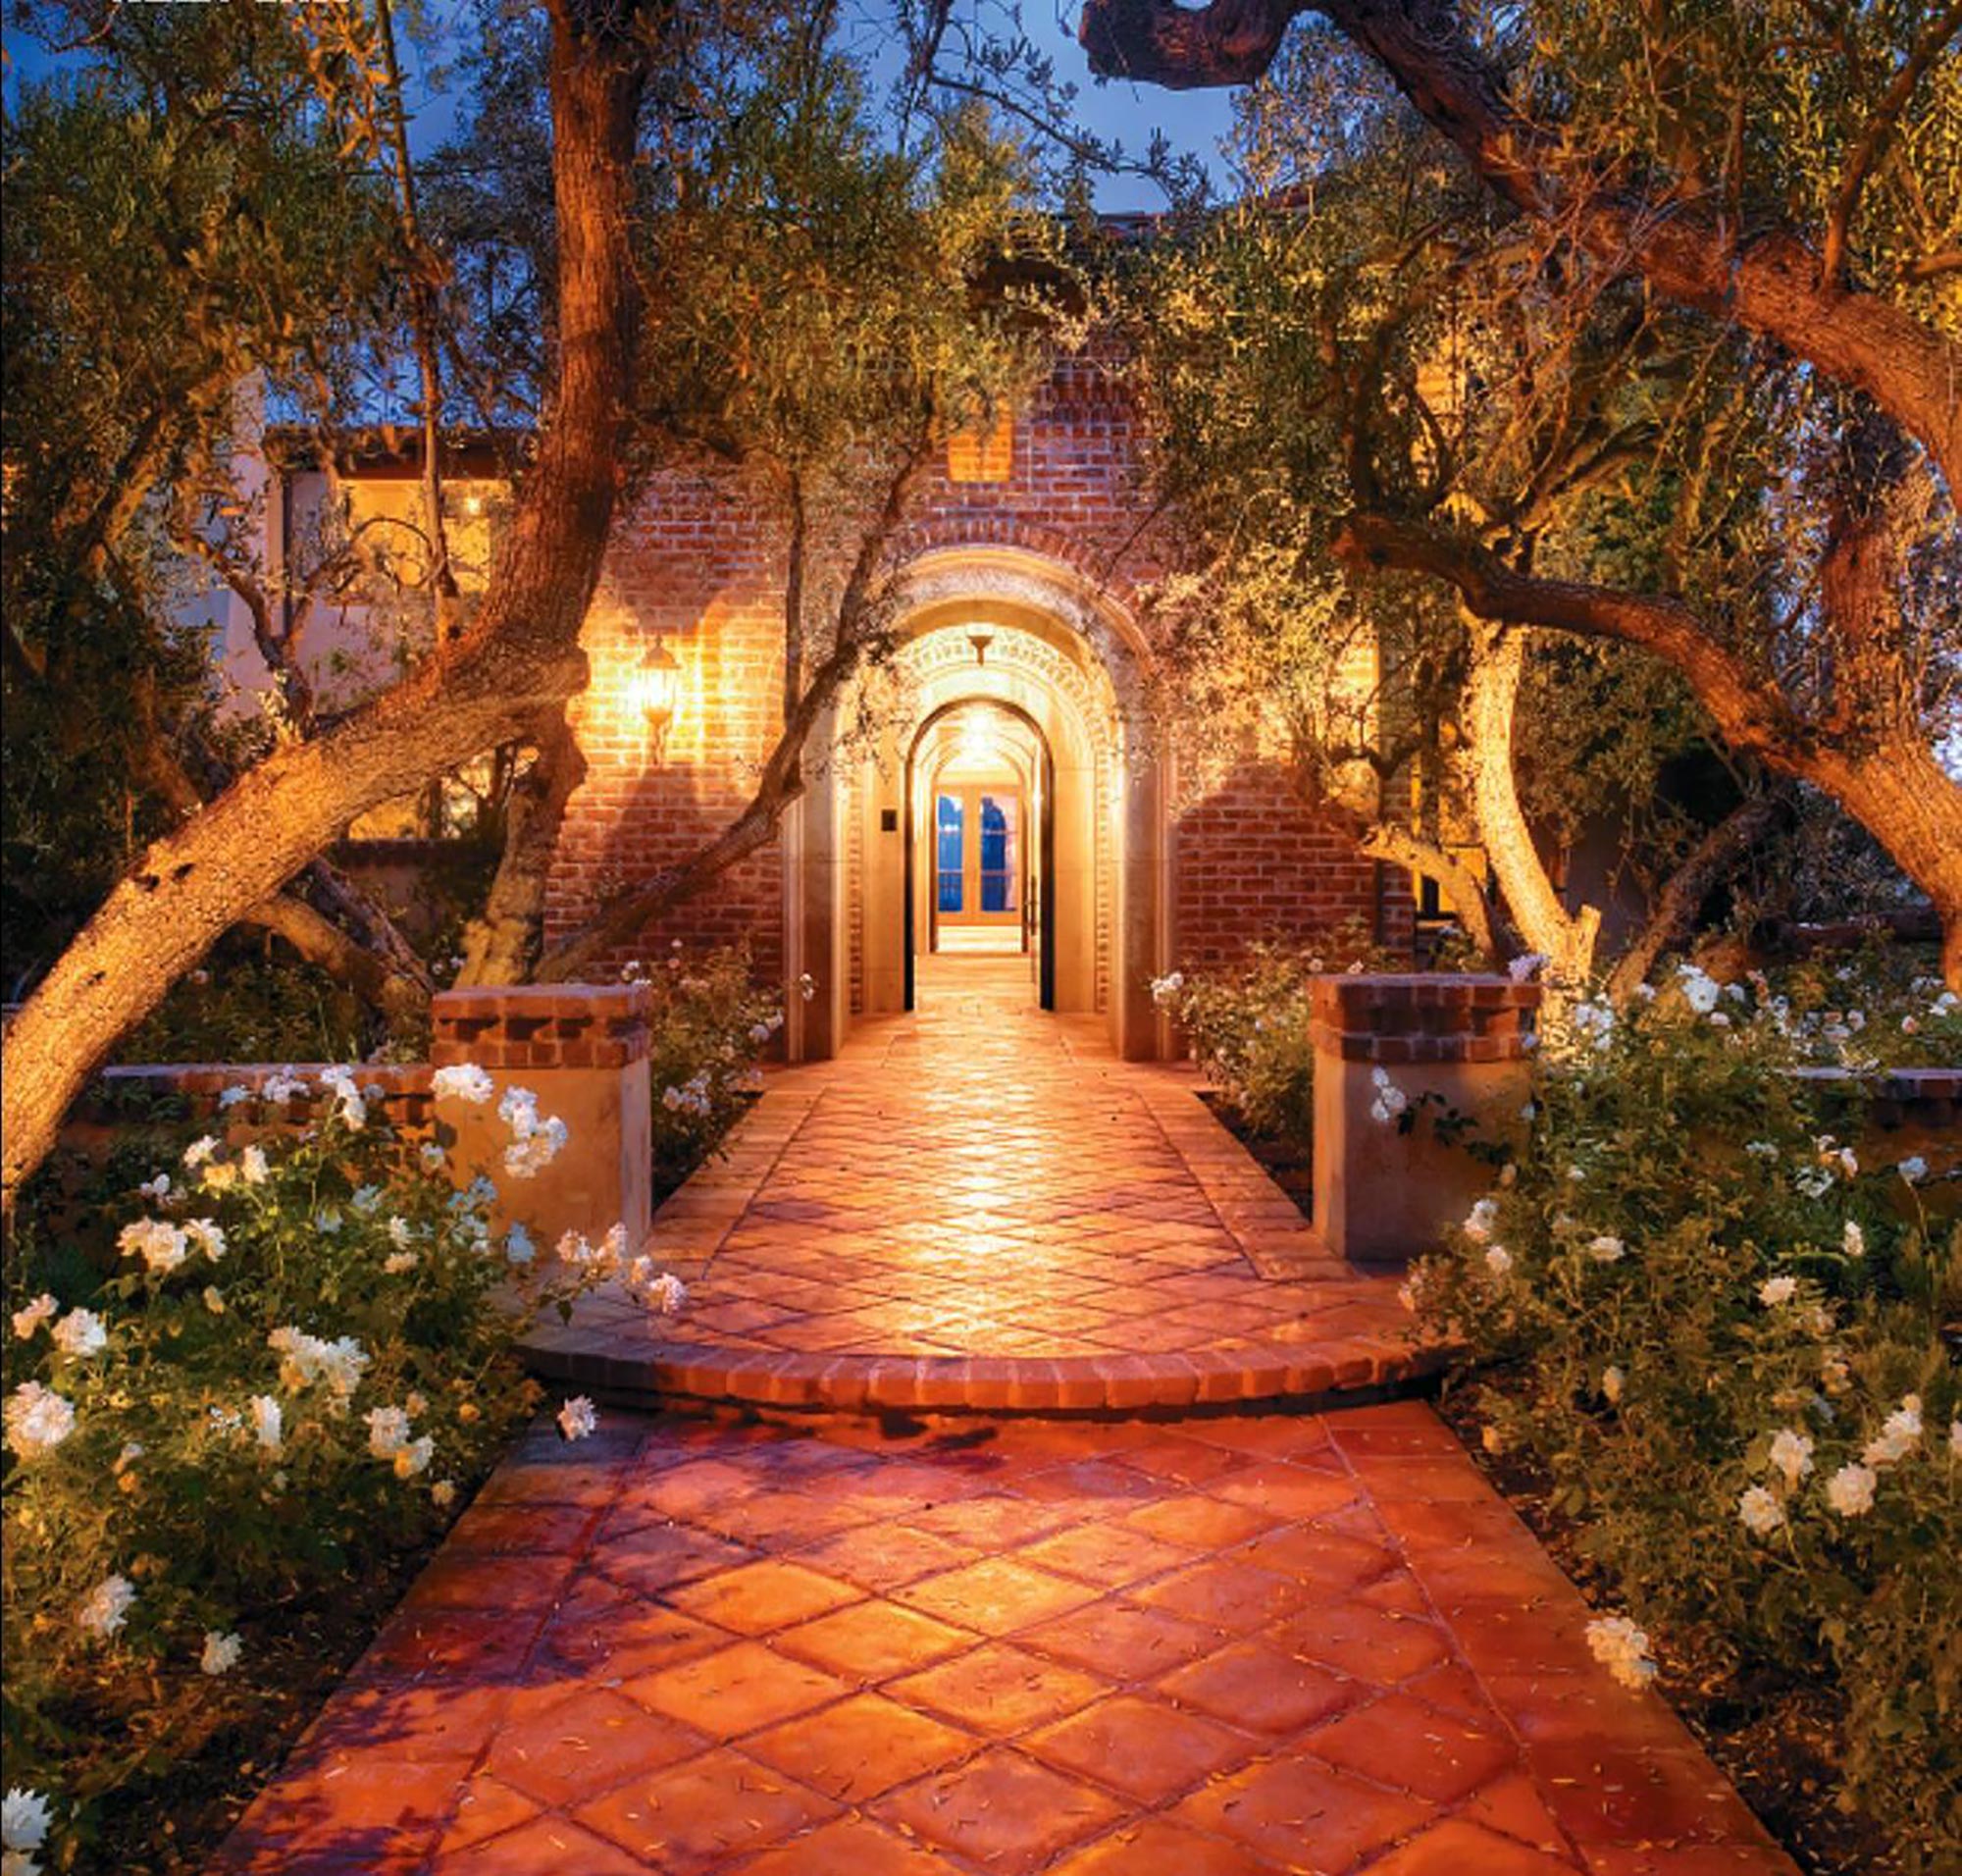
point(983, 456)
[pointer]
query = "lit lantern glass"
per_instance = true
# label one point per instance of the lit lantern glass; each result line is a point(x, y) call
point(657, 687)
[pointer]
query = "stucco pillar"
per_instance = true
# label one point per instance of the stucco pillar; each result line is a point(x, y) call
point(1381, 1194)
point(582, 1049)
point(1134, 1015)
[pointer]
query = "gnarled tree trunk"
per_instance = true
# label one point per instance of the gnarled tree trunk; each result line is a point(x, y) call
point(1491, 693)
point(520, 656)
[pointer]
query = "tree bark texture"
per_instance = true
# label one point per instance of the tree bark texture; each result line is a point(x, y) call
point(1491, 693)
point(503, 946)
point(520, 656)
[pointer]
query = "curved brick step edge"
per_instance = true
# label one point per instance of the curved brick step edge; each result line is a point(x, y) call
point(1315, 1376)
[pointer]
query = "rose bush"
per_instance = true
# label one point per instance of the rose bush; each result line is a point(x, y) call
point(1247, 1024)
point(1729, 1344)
point(299, 1365)
point(710, 1022)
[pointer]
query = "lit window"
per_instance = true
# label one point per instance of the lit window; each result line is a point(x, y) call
point(983, 454)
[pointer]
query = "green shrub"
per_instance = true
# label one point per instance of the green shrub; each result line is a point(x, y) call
point(1248, 1024)
point(709, 1024)
point(301, 1361)
point(1726, 1343)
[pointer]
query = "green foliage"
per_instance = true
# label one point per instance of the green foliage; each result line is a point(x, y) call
point(1248, 1024)
point(1695, 1308)
point(709, 1023)
point(299, 1358)
point(183, 231)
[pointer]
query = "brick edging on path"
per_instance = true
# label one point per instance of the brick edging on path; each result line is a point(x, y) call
point(1320, 1376)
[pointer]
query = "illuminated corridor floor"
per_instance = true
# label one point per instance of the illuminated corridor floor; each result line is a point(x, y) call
point(980, 1206)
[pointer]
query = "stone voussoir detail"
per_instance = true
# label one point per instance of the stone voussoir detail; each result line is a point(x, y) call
point(1395, 1018)
point(542, 1027)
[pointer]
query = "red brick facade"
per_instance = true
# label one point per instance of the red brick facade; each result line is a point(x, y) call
point(700, 561)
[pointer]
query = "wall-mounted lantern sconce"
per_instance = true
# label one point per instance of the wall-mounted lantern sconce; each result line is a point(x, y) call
point(657, 691)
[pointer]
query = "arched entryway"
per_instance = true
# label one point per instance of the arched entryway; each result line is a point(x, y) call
point(980, 797)
point(1004, 636)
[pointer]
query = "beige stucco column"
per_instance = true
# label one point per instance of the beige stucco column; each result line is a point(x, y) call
point(1383, 1192)
point(582, 1049)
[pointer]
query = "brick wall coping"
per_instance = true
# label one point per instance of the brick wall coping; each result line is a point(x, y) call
point(1897, 1097)
point(1403, 1017)
point(542, 1026)
point(404, 1085)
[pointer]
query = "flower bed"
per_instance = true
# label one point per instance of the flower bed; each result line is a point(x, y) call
point(247, 1394)
point(1725, 1348)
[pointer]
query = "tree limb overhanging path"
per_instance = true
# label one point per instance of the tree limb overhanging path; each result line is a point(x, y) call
point(1787, 287)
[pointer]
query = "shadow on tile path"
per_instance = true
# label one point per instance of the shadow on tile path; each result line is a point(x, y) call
point(1222, 1647)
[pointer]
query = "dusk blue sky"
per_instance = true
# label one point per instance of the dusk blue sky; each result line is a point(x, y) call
point(1192, 122)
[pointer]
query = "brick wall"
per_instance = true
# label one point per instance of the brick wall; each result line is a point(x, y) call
point(1253, 864)
point(700, 559)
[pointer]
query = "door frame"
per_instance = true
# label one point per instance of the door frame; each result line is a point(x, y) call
point(1041, 887)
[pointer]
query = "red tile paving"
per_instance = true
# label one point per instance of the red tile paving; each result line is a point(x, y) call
point(885, 1700)
point(979, 1207)
point(1264, 1642)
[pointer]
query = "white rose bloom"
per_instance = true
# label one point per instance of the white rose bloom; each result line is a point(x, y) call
point(1499, 1259)
point(1900, 1433)
point(413, 1456)
point(388, 1431)
point(1792, 1454)
point(1759, 1512)
point(27, 1320)
point(1853, 1241)
point(38, 1420)
point(81, 1333)
point(1612, 1381)
point(1776, 1289)
point(1605, 1249)
point(1622, 1648)
point(578, 1417)
point(26, 1819)
point(268, 1422)
point(1913, 1169)
point(207, 1235)
point(1478, 1223)
point(221, 1652)
point(463, 1081)
point(1850, 1491)
point(199, 1151)
point(158, 1242)
point(252, 1163)
point(106, 1607)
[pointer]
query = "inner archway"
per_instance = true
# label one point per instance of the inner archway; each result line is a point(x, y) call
point(980, 842)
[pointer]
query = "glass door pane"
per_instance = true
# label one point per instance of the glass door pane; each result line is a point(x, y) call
point(1000, 862)
point(950, 861)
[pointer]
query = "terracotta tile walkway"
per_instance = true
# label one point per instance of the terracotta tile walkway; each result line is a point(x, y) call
point(1221, 1646)
point(980, 1206)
